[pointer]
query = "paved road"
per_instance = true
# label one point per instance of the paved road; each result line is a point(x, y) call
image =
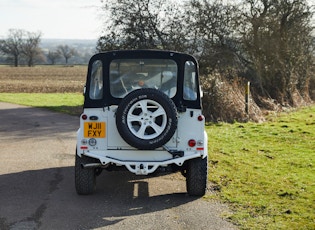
point(37, 184)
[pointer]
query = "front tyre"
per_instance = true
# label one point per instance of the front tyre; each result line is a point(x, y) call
point(85, 179)
point(196, 176)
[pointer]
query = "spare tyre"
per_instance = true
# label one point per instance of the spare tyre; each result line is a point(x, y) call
point(146, 118)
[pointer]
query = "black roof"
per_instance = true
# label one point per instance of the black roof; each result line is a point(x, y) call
point(108, 57)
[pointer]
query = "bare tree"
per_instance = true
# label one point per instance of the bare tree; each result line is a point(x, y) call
point(30, 47)
point(148, 24)
point(11, 46)
point(53, 56)
point(21, 44)
point(212, 23)
point(66, 51)
point(200, 27)
point(277, 37)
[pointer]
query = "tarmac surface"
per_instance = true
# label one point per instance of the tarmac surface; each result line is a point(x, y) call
point(37, 150)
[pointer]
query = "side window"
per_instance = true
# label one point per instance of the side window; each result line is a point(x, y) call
point(96, 84)
point(190, 81)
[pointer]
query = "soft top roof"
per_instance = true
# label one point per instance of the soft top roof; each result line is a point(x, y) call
point(108, 57)
point(134, 54)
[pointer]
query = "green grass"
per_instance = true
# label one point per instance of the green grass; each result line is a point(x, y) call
point(266, 171)
point(70, 103)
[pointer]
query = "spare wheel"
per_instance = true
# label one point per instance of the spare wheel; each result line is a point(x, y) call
point(146, 119)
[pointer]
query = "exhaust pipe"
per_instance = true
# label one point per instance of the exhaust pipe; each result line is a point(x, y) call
point(91, 165)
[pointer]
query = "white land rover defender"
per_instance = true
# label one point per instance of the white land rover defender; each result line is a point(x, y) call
point(142, 112)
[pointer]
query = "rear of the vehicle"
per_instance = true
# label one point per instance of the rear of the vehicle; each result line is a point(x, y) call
point(142, 112)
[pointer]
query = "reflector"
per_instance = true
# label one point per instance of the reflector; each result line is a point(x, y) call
point(84, 116)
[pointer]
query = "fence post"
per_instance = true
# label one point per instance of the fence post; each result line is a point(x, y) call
point(247, 90)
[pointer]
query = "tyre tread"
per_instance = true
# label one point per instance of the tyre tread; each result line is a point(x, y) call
point(85, 179)
point(197, 176)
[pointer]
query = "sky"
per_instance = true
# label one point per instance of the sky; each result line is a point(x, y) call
point(62, 19)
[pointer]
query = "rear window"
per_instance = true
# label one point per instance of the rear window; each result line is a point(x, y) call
point(96, 81)
point(127, 75)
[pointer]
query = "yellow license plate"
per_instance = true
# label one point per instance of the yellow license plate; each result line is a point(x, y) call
point(94, 129)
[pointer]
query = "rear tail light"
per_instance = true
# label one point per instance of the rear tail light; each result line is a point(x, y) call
point(191, 143)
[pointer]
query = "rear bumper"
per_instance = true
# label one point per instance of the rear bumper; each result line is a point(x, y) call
point(145, 162)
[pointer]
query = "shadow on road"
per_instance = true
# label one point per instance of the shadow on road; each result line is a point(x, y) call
point(46, 199)
point(27, 122)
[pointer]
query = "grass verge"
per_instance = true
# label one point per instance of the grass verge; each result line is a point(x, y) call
point(266, 171)
point(69, 103)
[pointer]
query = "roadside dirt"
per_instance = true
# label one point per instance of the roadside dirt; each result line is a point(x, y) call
point(37, 184)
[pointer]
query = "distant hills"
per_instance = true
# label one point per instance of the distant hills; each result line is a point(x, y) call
point(85, 48)
point(49, 43)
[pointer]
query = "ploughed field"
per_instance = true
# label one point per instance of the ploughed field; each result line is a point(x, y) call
point(42, 79)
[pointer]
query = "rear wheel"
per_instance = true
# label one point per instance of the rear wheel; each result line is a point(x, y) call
point(196, 176)
point(85, 179)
